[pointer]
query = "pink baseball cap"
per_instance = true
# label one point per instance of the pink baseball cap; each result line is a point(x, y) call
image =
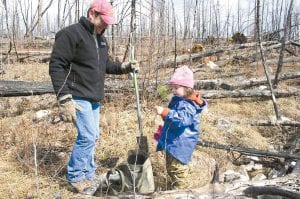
point(105, 9)
point(183, 76)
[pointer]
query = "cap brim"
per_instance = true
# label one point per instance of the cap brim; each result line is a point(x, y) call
point(108, 19)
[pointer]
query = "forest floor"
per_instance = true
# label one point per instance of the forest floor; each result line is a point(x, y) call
point(34, 153)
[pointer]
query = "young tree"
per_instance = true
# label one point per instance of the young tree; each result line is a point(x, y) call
point(257, 22)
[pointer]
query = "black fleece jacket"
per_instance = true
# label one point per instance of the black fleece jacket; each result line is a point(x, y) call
point(78, 65)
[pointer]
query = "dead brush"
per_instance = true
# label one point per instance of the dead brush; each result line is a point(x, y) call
point(45, 142)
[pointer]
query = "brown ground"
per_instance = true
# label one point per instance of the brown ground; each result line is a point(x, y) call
point(21, 136)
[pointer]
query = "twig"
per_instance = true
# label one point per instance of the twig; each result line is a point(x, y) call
point(35, 165)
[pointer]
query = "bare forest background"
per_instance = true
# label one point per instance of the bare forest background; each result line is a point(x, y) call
point(198, 20)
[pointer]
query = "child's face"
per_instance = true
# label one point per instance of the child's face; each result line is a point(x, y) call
point(177, 90)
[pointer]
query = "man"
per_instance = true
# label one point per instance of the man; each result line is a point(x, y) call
point(78, 64)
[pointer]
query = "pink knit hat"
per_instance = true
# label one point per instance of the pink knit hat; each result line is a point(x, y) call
point(105, 9)
point(183, 76)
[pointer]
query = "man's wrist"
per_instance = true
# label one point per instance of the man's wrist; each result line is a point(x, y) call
point(65, 98)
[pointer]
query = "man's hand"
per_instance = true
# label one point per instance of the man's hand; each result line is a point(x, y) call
point(67, 108)
point(132, 66)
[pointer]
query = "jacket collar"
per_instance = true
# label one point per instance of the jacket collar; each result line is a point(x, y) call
point(196, 97)
point(88, 25)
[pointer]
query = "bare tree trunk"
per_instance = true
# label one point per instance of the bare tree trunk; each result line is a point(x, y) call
point(198, 22)
point(210, 18)
point(67, 13)
point(40, 5)
point(262, 17)
point(10, 32)
point(255, 15)
point(132, 36)
point(297, 31)
point(175, 36)
point(264, 61)
point(217, 21)
point(239, 17)
point(203, 22)
point(161, 33)
point(76, 11)
point(14, 30)
point(285, 35)
point(6, 15)
point(48, 23)
point(272, 15)
point(2, 25)
point(24, 8)
point(279, 16)
point(185, 19)
point(227, 21)
point(193, 32)
point(58, 14)
point(113, 45)
point(70, 17)
point(40, 15)
point(152, 42)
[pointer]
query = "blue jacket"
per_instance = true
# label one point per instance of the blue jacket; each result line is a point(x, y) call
point(181, 126)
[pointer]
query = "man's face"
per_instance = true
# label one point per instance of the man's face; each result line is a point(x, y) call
point(99, 24)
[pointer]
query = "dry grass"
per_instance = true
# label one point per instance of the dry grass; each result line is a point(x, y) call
point(26, 72)
point(19, 134)
point(118, 131)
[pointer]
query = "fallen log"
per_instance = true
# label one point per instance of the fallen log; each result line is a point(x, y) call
point(208, 191)
point(208, 84)
point(295, 44)
point(287, 186)
point(272, 122)
point(30, 53)
point(271, 187)
point(244, 84)
point(275, 123)
point(247, 93)
point(22, 88)
point(270, 192)
point(256, 81)
point(274, 61)
point(81, 196)
point(252, 56)
point(248, 151)
point(196, 56)
point(168, 62)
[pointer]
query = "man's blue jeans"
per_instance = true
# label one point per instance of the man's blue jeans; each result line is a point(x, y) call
point(81, 164)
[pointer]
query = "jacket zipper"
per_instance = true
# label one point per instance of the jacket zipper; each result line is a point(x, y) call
point(97, 46)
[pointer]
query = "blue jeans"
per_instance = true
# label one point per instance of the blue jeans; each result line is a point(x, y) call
point(81, 164)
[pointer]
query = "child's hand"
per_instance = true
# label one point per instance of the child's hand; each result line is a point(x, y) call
point(159, 110)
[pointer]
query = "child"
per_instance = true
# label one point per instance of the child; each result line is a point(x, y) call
point(179, 134)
